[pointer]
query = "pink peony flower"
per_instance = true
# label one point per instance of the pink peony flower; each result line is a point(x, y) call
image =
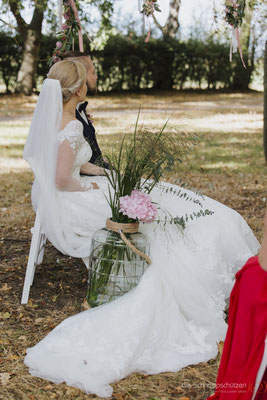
point(138, 206)
point(90, 118)
point(67, 15)
point(56, 59)
point(64, 26)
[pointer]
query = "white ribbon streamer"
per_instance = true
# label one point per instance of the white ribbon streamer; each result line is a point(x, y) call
point(59, 12)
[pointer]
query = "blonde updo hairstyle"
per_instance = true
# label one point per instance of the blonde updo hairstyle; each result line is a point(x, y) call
point(71, 75)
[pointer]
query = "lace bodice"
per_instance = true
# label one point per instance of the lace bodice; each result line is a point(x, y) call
point(73, 133)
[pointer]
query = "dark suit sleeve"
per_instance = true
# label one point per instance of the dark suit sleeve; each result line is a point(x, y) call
point(90, 137)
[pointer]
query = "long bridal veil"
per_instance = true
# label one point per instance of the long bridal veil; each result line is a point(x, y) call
point(41, 153)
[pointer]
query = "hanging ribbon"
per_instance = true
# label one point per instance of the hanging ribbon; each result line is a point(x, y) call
point(59, 12)
point(240, 47)
point(148, 9)
point(235, 41)
point(148, 33)
point(235, 44)
point(80, 35)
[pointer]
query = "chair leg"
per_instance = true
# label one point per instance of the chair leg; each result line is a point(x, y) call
point(42, 248)
point(37, 239)
point(40, 255)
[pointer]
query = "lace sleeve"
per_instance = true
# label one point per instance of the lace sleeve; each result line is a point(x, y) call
point(69, 140)
point(73, 133)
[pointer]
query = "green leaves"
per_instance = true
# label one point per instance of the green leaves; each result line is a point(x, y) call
point(234, 14)
point(149, 7)
point(142, 159)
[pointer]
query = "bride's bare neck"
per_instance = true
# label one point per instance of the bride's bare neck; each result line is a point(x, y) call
point(69, 111)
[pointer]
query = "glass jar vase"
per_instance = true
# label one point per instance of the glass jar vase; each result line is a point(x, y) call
point(114, 268)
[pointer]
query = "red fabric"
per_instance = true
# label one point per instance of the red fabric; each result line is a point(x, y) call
point(245, 339)
point(262, 392)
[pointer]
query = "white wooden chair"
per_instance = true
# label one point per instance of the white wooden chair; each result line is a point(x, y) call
point(35, 257)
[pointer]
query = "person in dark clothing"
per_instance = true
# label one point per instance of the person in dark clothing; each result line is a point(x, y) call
point(97, 164)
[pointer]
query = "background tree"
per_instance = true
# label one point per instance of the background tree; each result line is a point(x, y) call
point(31, 33)
point(171, 26)
point(32, 58)
point(10, 59)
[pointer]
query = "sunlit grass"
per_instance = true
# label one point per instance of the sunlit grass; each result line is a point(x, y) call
point(229, 126)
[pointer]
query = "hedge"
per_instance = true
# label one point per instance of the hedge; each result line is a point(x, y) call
point(128, 63)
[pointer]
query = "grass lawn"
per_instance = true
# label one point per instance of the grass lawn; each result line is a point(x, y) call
point(228, 165)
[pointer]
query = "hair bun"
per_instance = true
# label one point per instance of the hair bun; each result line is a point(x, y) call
point(71, 75)
point(66, 93)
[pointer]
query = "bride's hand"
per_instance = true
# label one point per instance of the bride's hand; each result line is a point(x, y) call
point(95, 185)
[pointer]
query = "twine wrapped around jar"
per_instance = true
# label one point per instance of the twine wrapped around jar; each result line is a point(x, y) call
point(130, 227)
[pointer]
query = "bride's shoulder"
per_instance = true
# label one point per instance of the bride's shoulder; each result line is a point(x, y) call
point(72, 125)
point(72, 131)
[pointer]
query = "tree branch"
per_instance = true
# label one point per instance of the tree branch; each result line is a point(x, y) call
point(7, 23)
point(22, 25)
point(38, 14)
point(157, 23)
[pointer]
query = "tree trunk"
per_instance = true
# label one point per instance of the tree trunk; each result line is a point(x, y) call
point(31, 35)
point(172, 24)
point(6, 82)
point(29, 62)
point(265, 103)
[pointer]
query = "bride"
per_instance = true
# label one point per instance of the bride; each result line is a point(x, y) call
point(175, 316)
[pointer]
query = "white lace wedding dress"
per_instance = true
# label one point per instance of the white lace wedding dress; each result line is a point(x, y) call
point(173, 318)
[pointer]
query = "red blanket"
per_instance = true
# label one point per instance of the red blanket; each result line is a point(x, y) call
point(245, 339)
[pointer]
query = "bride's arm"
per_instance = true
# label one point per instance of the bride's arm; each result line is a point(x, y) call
point(65, 162)
point(92, 169)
